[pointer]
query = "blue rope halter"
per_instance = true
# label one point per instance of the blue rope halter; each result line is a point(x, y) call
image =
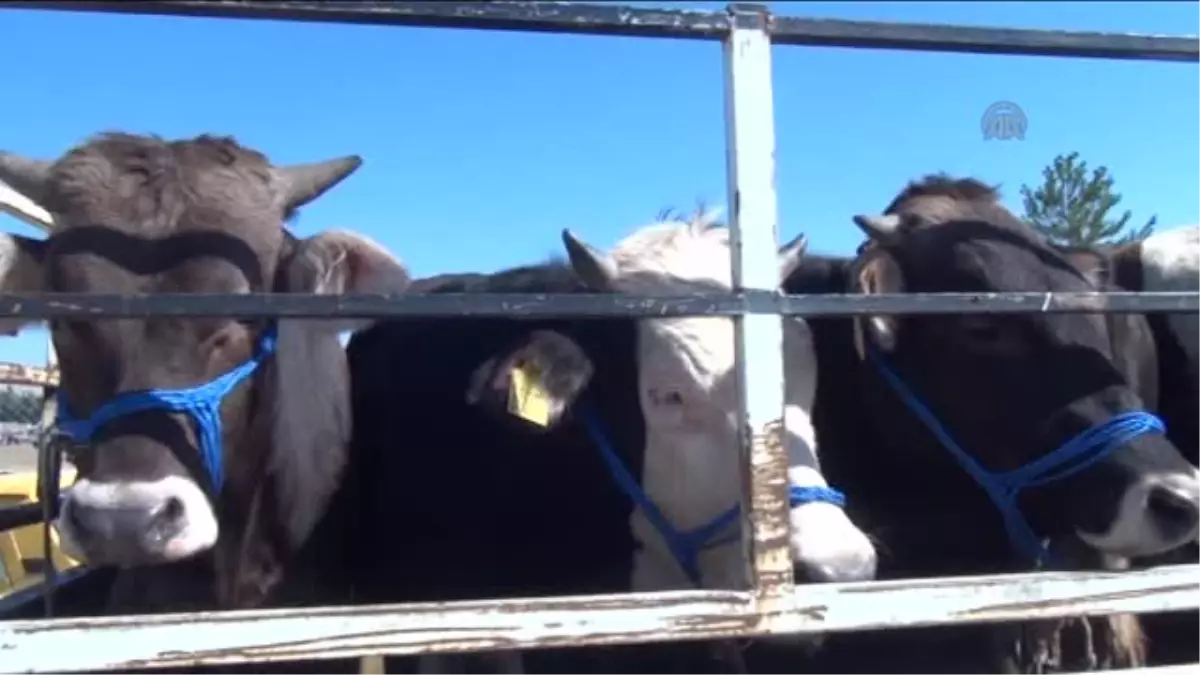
point(1003, 488)
point(686, 546)
point(203, 403)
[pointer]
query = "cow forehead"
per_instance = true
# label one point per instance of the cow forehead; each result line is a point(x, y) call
point(991, 258)
point(219, 260)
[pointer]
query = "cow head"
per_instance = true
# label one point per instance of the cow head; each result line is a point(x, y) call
point(688, 396)
point(1010, 388)
point(186, 428)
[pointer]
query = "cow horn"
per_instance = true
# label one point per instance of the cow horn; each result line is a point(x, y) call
point(305, 182)
point(879, 227)
point(30, 177)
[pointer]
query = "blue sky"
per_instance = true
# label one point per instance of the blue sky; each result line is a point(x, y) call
point(480, 146)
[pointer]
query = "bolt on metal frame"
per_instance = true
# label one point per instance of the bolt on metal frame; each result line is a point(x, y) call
point(774, 604)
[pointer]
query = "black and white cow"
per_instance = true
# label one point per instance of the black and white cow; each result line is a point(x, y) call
point(492, 505)
point(952, 434)
point(1168, 260)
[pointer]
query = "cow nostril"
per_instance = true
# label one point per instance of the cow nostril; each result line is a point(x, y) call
point(1173, 513)
point(172, 510)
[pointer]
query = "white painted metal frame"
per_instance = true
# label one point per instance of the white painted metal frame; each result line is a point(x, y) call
point(773, 606)
point(207, 638)
point(750, 167)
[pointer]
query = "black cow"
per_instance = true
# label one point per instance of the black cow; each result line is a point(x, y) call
point(1008, 388)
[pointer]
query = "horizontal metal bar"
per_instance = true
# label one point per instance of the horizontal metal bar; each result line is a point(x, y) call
point(204, 638)
point(1181, 669)
point(20, 515)
point(613, 19)
point(531, 306)
point(554, 17)
point(983, 40)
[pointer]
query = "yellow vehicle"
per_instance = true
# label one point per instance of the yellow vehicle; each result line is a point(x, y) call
point(21, 561)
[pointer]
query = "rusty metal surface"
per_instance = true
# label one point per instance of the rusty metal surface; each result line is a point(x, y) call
point(518, 306)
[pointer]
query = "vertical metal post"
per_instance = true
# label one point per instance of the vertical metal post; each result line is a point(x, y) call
point(750, 153)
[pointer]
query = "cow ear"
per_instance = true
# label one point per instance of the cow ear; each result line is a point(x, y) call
point(791, 255)
point(338, 262)
point(21, 271)
point(535, 381)
point(879, 274)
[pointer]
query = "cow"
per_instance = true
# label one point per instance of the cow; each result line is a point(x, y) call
point(210, 446)
point(1165, 261)
point(930, 417)
point(620, 473)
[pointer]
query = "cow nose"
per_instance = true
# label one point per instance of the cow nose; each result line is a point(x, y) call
point(1174, 511)
point(109, 525)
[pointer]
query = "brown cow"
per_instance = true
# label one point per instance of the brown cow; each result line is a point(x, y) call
point(193, 435)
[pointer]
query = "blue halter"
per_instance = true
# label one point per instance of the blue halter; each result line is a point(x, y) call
point(1003, 488)
point(686, 546)
point(203, 403)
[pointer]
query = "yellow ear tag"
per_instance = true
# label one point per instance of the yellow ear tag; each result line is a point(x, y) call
point(526, 397)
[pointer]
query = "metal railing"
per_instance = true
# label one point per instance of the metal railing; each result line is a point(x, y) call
point(774, 604)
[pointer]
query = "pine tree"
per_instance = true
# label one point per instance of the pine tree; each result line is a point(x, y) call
point(1072, 208)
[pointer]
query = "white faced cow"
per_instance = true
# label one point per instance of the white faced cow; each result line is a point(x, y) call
point(687, 393)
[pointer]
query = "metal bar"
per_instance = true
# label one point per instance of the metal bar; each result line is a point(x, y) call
point(19, 515)
point(529, 306)
point(758, 339)
point(1189, 669)
point(553, 17)
point(606, 19)
point(981, 40)
point(209, 638)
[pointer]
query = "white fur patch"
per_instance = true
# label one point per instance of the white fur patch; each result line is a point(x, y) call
point(1171, 262)
point(691, 465)
point(198, 528)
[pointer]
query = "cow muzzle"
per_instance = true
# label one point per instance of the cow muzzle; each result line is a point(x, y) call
point(128, 524)
point(1158, 513)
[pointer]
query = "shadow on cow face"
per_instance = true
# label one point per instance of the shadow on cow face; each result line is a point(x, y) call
point(1012, 388)
point(176, 420)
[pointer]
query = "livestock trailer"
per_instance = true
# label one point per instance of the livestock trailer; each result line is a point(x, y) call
point(80, 637)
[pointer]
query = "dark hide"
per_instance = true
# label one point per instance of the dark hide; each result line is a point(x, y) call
point(493, 506)
point(928, 516)
point(924, 524)
point(496, 507)
point(1171, 636)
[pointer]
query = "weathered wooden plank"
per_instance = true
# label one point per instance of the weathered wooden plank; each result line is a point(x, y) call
point(23, 209)
point(613, 19)
point(528, 306)
point(165, 640)
point(758, 339)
